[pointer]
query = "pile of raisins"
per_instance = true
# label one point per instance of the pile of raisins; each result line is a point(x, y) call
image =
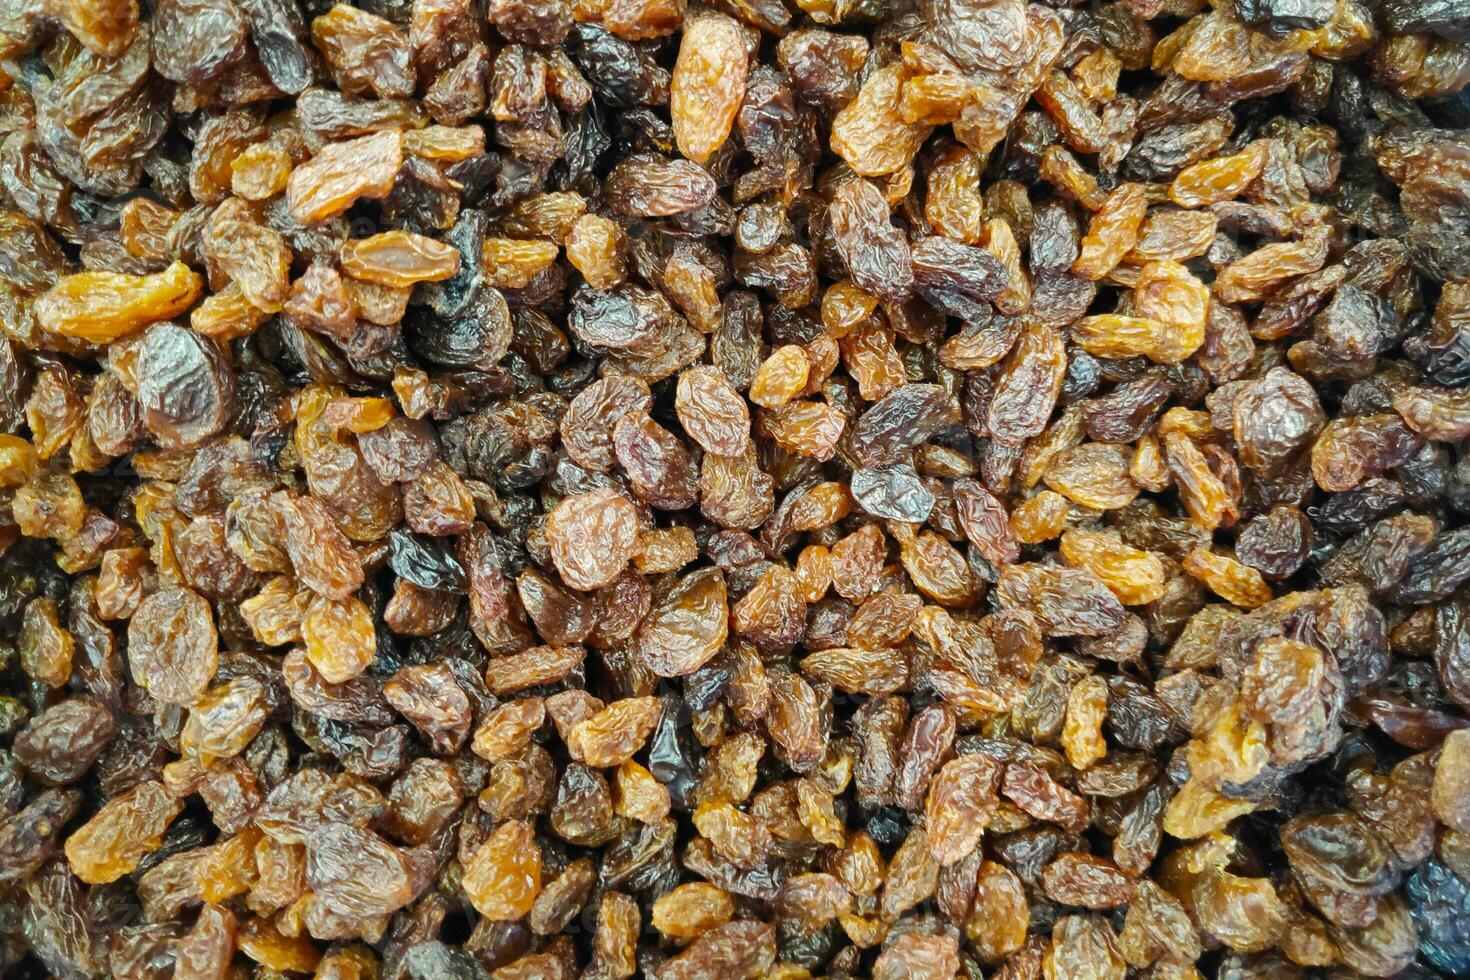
point(559, 489)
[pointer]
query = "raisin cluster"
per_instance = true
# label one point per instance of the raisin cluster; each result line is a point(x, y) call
point(576, 489)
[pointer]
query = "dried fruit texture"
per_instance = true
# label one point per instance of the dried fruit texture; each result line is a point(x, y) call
point(46, 649)
point(342, 173)
point(1203, 494)
point(1228, 578)
point(1087, 707)
point(1441, 415)
point(222, 722)
point(1068, 602)
point(106, 27)
point(1451, 773)
point(255, 258)
point(364, 52)
point(1168, 294)
point(649, 186)
point(659, 467)
point(712, 411)
point(1118, 336)
point(262, 941)
point(692, 909)
point(1032, 789)
point(1264, 270)
point(1219, 179)
point(340, 638)
point(984, 521)
point(1113, 232)
point(1135, 576)
point(1027, 387)
point(772, 613)
point(870, 132)
point(173, 649)
point(587, 427)
point(954, 205)
point(322, 556)
point(610, 737)
point(1094, 475)
point(708, 83)
point(594, 249)
point(781, 377)
point(503, 877)
point(260, 172)
point(1350, 450)
point(1086, 881)
point(997, 925)
point(912, 876)
point(101, 307)
point(592, 536)
point(61, 743)
point(961, 799)
point(514, 263)
point(914, 954)
point(688, 627)
point(1082, 946)
point(1274, 418)
point(121, 833)
point(875, 252)
point(939, 489)
point(399, 259)
point(196, 38)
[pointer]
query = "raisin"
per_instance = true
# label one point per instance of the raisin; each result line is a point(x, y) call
point(874, 251)
point(121, 833)
point(399, 258)
point(707, 85)
point(104, 306)
point(592, 536)
point(60, 744)
point(1113, 232)
point(364, 52)
point(686, 629)
point(712, 412)
point(172, 645)
point(649, 186)
point(594, 248)
point(960, 799)
point(342, 173)
point(870, 132)
point(503, 877)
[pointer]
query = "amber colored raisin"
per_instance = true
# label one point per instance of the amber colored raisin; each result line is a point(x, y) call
point(594, 246)
point(104, 306)
point(503, 876)
point(592, 536)
point(1113, 232)
point(708, 83)
point(121, 833)
point(399, 258)
point(1230, 579)
point(514, 263)
point(342, 173)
